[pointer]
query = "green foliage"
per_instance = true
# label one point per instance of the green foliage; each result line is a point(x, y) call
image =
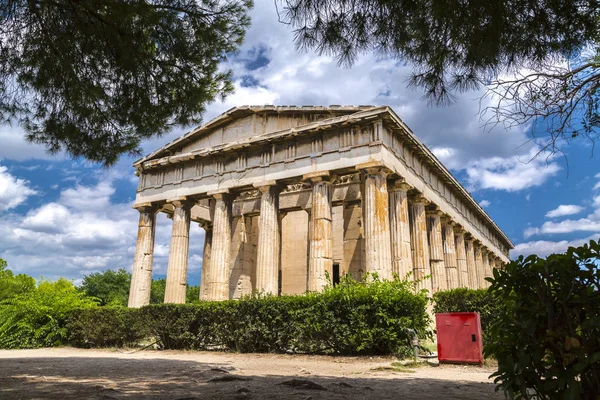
point(157, 292)
point(192, 294)
point(110, 287)
point(104, 327)
point(469, 300)
point(11, 285)
point(350, 318)
point(36, 318)
point(94, 78)
point(547, 339)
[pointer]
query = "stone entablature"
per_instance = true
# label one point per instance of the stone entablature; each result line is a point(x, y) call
point(271, 161)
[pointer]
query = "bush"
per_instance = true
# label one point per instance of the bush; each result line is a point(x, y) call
point(105, 327)
point(350, 318)
point(547, 339)
point(469, 300)
point(37, 317)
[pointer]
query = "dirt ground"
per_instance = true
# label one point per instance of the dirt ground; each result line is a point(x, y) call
point(67, 373)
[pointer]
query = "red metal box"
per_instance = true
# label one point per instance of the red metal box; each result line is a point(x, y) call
point(459, 337)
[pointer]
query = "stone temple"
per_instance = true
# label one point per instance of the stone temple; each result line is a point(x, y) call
point(289, 196)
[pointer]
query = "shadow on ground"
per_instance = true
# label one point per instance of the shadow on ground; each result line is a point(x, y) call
point(118, 378)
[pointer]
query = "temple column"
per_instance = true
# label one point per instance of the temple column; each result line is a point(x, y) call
point(419, 242)
point(471, 269)
point(320, 260)
point(485, 257)
point(378, 252)
point(354, 258)
point(208, 235)
point(400, 229)
point(436, 251)
point(218, 273)
point(178, 253)
point(461, 257)
point(269, 239)
point(450, 260)
point(141, 277)
point(479, 274)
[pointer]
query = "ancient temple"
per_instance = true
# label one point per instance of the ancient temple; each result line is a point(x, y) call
point(290, 195)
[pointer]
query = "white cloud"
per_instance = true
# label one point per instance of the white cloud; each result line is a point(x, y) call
point(510, 174)
point(13, 191)
point(484, 203)
point(84, 231)
point(543, 248)
point(15, 147)
point(564, 209)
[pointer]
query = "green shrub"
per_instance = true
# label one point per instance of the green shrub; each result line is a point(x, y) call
point(350, 318)
point(469, 300)
point(547, 339)
point(105, 327)
point(37, 317)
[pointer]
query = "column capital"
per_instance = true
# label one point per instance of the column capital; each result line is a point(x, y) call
point(433, 210)
point(419, 198)
point(181, 201)
point(146, 207)
point(205, 225)
point(220, 194)
point(458, 229)
point(317, 176)
point(399, 184)
point(373, 167)
point(446, 219)
point(265, 185)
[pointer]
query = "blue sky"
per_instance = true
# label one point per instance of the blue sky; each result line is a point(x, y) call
point(64, 217)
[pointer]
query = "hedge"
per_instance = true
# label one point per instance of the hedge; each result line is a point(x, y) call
point(469, 300)
point(348, 319)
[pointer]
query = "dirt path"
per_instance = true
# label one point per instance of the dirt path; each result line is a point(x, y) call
point(67, 373)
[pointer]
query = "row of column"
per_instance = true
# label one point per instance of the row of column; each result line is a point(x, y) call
point(403, 234)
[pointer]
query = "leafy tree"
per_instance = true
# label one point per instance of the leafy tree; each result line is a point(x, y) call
point(192, 294)
point(461, 45)
point(111, 287)
point(95, 77)
point(37, 318)
point(11, 285)
point(547, 337)
point(157, 291)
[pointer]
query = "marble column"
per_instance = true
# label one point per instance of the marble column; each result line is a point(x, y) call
point(471, 268)
point(485, 258)
point(450, 259)
point(320, 260)
point(400, 229)
point(178, 254)
point(461, 257)
point(376, 217)
point(353, 261)
point(436, 250)
point(269, 239)
point(419, 242)
point(208, 235)
point(141, 278)
point(479, 273)
point(218, 274)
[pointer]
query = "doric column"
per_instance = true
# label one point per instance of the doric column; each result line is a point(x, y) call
point(471, 268)
point(353, 262)
point(436, 250)
point(400, 229)
point(376, 217)
point(461, 257)
point(269, 239)
point(141, 278)
point(218, 273)
point(479, 273)
point(450, 260)
point(208, 235)
point(320, 260)
point(485, 258)
point(178, 253)
point(419, 242)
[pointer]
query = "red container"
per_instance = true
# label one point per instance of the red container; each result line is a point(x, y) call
point(459, 338)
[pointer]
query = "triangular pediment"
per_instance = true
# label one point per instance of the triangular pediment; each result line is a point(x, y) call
point(246, 122)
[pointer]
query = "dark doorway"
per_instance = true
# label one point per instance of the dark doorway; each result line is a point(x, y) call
point(336, 274)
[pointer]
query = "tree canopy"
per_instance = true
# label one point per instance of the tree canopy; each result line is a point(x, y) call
point(457, 46)
point(95, 77)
